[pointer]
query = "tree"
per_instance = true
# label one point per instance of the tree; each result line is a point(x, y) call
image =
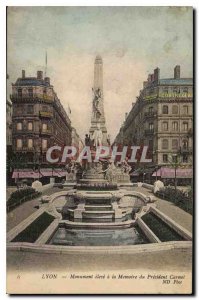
point(175, 162)
point(17, 161)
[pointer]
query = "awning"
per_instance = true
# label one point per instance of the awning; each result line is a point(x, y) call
point(25, 174)
point(135, 173)
point(142, 171)
point(165, 172)
point(29, 173)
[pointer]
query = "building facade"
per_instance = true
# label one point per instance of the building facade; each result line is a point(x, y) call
point(8, 124)
point(162, 119)
point(39, 120)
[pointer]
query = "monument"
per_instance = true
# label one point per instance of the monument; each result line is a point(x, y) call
point(98, 123)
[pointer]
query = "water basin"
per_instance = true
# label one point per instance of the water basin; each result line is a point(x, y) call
point(98, 237)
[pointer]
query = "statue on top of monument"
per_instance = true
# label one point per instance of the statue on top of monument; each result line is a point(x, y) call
point(97, 136)
point(96, 103)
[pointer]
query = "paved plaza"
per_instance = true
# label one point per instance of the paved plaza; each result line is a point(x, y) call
point(169, 260)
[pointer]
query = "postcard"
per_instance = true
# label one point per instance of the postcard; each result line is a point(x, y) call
point(99, 131)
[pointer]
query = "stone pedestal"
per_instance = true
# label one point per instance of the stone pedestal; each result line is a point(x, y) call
point(52, 180)
point(117, 210)
point(79, 211)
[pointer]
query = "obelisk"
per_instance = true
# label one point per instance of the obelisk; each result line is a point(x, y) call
point(98, 117)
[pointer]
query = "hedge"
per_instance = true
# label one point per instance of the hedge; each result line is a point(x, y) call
point(20, 196)
point(181, 199)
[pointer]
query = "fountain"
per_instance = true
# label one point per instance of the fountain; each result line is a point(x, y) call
point(98, 211)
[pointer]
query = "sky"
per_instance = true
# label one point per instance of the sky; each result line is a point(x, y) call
point(132, 41)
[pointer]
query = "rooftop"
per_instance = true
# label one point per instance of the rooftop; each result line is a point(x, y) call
point(179, 81)
point(31, 81)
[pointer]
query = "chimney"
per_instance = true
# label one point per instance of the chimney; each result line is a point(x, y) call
point(39, 75)
point(47, 80)
point(145, 84)
point(177, 72)
point(156, 74)
point(23, 74)
point(149, 78)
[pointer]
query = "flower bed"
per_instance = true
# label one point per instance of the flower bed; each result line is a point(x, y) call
point(31, 233)
point(161, 229)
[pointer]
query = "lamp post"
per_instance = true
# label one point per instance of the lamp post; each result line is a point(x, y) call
point(175, 169)
point(156, 176)
point(143, 176)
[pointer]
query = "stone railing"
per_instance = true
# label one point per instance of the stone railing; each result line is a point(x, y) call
point(147, 186)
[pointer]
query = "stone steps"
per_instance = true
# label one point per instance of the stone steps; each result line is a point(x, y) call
point(98, 207)
point(98, 214)
point(100, 202)
point(107, 224)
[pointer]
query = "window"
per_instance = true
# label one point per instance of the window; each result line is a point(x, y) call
point(30, 109)
point(185, 126)
point(44, 127)
point(30, 126)
point(30, 143)
point(150, 109)
point(19, 143)
point(175, 144)
point(44, 144)
point(165, 90)
point(165, 109)
point(185, 90)
point(185, 158)
point(19, 93)
point(151, 126)
point(165, 144)
point(30, 92)
point(185, 144)
point(174, 109)
point(44, 108)
point(19, 109)
point(176, 90)
point(174, 159)
point(165, 158)
point(175, 126)
point(185, 110)
point(165, 126)
point(19, 126)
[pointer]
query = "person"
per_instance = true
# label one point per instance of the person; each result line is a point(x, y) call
point(79, 171)
point(97, 136)
point(110, 172)
point(87, 140)
point(108, 140)
point(125, 166)
point(96, 100)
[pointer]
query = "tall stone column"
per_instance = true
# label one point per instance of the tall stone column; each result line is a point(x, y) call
point(98, 117)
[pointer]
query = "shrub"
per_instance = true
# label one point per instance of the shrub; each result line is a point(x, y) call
point(20, 196)
point(182, 199)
